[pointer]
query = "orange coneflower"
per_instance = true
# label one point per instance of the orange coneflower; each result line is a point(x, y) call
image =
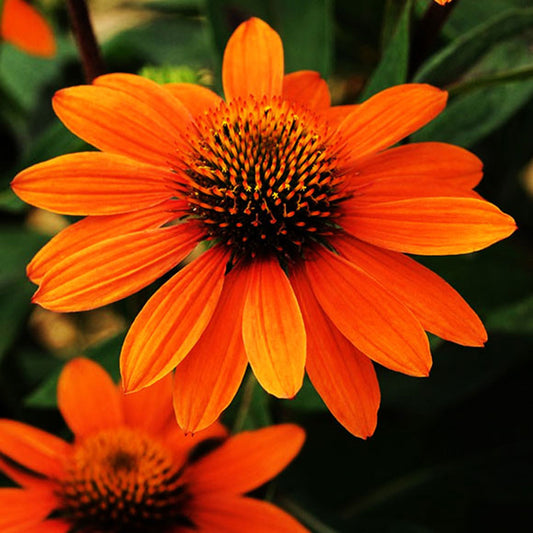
point(131, 469)
point(22, 26)
point(308, 215)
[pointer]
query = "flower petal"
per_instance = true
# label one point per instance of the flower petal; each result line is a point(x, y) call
point(439, 308)
point(206, 381)
point(21, 476)
point(115, 268)
point(24, 508)
point(87, 398)
point(91, 230)
point(197, 99)
point(150, 409)
point(440, 161)
point(389, 116)
point(48, 526)
point(226, 514)
point(23, 26)
point(165, 104)
point(307, 88)
point(120, 122)
point(172, 321)
point(246, 461)
point(335, 115)
point(429, 226)
point(367, 315)
point(33, 448)
point(93, 183)
point(273, 329)
point(392, 189)
point(342, 375)
point(253, 62)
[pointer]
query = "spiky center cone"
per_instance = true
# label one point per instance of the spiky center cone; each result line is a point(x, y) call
point(262, 177)
point(122, 481)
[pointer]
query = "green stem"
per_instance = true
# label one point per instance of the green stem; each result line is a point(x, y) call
point(246, 402)
point(427, 32)
point(518, 74)
point(304, 516)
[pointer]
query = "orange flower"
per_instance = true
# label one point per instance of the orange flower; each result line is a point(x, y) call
point(443, 2)
point(308, 213)
point(131, 469)
point(22, 26)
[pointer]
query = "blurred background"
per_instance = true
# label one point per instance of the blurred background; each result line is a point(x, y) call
point(453, 452)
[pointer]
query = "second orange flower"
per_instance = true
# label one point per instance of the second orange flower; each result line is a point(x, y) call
point(308, 212)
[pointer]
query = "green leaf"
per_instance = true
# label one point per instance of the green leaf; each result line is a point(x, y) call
point(306, 28)
point(162, 41)
point(393, 67)
point(472, 116)
point(307, 399)
point(451, 62)
point(14, 307)
point(17, 246)
point(516, 318)
point(470, 13)
point(24, 76)
point(53, 141)
point(106, 354)
point(10, 202)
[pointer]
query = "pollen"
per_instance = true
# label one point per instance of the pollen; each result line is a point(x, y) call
point(122, 481)
point(261, 175)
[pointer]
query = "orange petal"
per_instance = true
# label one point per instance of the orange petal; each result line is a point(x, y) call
point(33, 448)
point(389, 116)
point(393, 189)
point(206, 381)
point(197, 99)
point(371, 318)
point(273, 329)
point(439, 308)
point(253, 62)
point(429, 226)
point(335, 115)
point(22, 477)
point(25, 508)
point(87, 398)
point(246, 461)
point(307, 88)
point(93, 183)
point(150, 409)
point(92, 230)
point(445, 162)
point(172, 321)
point(115, 268)
point(342, 375)
point(48, 526)
point(122, 122)
point(24, 27)
point(165, 104)
point(226, 514)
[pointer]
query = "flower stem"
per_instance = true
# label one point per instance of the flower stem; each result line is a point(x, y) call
point(427, 32)
point(246, 403)
point(93, 65)
point(304, 516)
